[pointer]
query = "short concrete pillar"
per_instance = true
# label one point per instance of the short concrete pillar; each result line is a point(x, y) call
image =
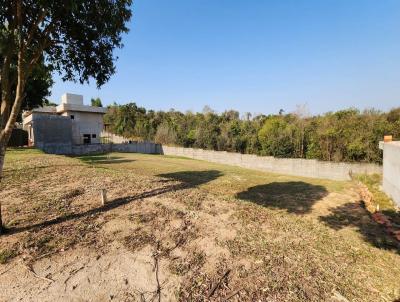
point(103, 197)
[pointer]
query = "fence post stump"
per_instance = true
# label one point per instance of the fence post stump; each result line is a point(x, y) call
point(103, 197)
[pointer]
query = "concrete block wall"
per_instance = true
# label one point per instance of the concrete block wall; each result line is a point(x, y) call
point(52, 129)
point(52, 133)
point(391, 170)
point(290, 166)
point(55, 148)
point(135, 147)
point(90, 149)
point(67, 148)
point(114, 138)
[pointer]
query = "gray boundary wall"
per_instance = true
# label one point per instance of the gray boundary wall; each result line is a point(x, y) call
point(391, 170)
point(69, 149)
point(134, 147)
point(290, 166)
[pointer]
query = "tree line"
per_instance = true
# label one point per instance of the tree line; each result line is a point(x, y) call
point(346, 135)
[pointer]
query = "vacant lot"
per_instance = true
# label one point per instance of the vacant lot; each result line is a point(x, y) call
point(187, 230)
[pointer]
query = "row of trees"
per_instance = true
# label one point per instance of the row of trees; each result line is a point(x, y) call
point(346, 135)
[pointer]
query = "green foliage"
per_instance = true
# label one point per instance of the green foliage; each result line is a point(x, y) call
point(96, 102)
point(76, 38)
point(165, 134)
point(130, 121)
point(276, 137)
point(38, 87)
point(6, 255)
point(346, 135)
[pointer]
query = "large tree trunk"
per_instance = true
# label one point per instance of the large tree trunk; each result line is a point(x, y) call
point(4, 115)
point(2, 157)
point(5, 91)
point(4, 138)
point(8, 119)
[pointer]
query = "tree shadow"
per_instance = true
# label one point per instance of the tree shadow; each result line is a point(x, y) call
point(393, 215)
point(295, 196)
point(353, 214)
point(104, 159)
point(197, 177)
point(40, 167)
point(193, 178)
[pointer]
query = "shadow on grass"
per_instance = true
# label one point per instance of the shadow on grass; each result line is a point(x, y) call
point(295, 196)
point(104, 159)
point(393, 215)
point(193, 179)
point(55, 166)
point(354, 215)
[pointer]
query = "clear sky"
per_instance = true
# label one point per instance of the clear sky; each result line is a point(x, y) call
point(256, 56)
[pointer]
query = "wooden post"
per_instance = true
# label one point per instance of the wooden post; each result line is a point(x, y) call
point(103, 197)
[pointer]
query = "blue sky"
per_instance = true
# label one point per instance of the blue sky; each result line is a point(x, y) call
point(256, 56)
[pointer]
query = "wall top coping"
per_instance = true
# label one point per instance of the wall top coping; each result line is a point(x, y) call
point(82, 108)
point(393, 143)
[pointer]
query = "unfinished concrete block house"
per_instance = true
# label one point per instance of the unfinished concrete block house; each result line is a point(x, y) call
point(55, 129)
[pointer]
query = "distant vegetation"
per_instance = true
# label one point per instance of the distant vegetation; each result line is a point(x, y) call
point(96, 102)
point(346, 135)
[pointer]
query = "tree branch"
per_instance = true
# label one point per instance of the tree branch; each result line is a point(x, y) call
point(35, 27)
point(46, 42)
point(19, 18)
point(5, 90)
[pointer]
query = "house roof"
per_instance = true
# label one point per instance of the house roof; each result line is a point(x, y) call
point(65, 107)
point(69, 102)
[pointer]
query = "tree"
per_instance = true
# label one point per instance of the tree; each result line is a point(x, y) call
point(394, 115)
point(37, 87)
point(96, 102)
point(346, 135)
point(300, 118)
point(76, 37)
point(276, 137)
point(165, 135)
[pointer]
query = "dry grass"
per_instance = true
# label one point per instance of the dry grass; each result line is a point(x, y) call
point(210, 232)
point(373, 183)
point(380, 199)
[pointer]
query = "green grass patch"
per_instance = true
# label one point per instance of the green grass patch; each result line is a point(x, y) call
point(230, 181)
point(6, 255)
point(23, 152)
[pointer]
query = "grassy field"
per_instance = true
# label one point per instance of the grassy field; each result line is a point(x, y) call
point(186, 230)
